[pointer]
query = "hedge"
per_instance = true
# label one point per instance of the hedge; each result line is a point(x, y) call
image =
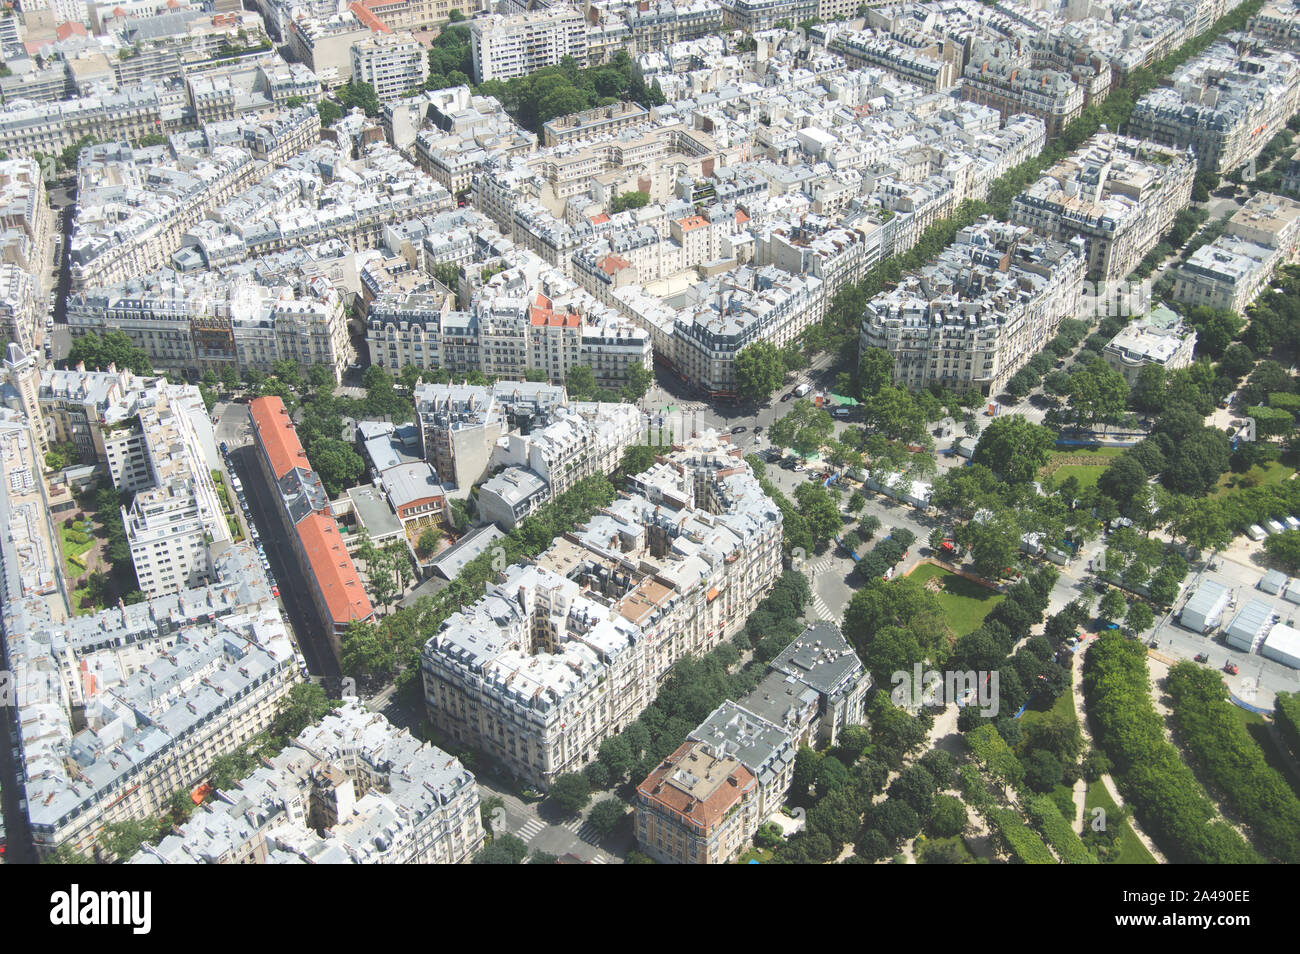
point(1287, 719)
point(1049, 821)
point(1230, 761)
point(1024, 844)
point(1150, 772)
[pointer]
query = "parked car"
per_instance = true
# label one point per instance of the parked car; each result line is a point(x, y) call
point(758, 428)
point(786, 396)
point(739, 429)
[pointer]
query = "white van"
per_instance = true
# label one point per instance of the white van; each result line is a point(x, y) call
point(1256, 532)
point(802, 389)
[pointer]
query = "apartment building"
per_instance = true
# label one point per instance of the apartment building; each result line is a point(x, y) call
point(933, 65)
point(566, 651)
point(390, 62)
point(1226, 104)
point(694, 808)
point(352, 789)
point(995, 77)
point(192, 323)
point(1159, 337)
point(1120, 195)
point(981, 309)
point(175, 516)
point(580, 439)
point(754, 15)
point(508, 46)
point(526, 318)
point(697, 808)
point(160, 689)
point(1231, 271)
point(304, 510)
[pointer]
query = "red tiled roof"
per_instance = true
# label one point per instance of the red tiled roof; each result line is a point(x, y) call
point(613, 263)
point(275, 431)
point(69, 28)
point(335, 573)
point(600, 219)
point(368, 18)
point(542, 314)
point(741, 217)
point(689, 809)
point(692, 222)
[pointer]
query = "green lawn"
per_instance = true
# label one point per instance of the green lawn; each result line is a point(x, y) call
point(965, 603)
point(1132, 851)
point(927, 847)
point(1085, 473)
point(73, 548)
point(1274, 472)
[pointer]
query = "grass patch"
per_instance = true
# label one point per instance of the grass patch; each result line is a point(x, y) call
point(1084, 464)
point(76, 544)
point(965, 603)
point(762, 855)
point(1261, 475)
point(1131, 851)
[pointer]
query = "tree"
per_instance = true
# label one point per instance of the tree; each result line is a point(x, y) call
point(1139, 617)
point(1283, 550)
point(359, 95)
point(639, 379)
point(330, 112)
point(1112, 605)
point(338, 465)
point(428, 542)
point(504, 850)
point(872, 846)
point(570, 793)
point(759, 370)
point(123, 839)
point(1098, 394)
point(819, 510)
point(580, 382)
point(892, 412)
point(606, 815)
point(805, 428)
point(628, 200)
point(1014, 447)
point(993, 541)
point(1043, 770)
point(875, 371)
point(113, 347)
point(896, 821)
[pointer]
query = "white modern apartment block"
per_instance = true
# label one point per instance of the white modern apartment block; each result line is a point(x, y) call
point(1159, 337)
point(390, 62)
point(352, 789)
point(1120, 195)
point(171, 524)
point(581, 439)
point(508, 46)
point(566, 651)
point(1233, 269)
point(981, 309)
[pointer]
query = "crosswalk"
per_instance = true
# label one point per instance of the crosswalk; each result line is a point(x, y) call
point(583, 830)
point(530, 829)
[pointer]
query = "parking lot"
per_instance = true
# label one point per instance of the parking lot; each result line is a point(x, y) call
point(1258, 680)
